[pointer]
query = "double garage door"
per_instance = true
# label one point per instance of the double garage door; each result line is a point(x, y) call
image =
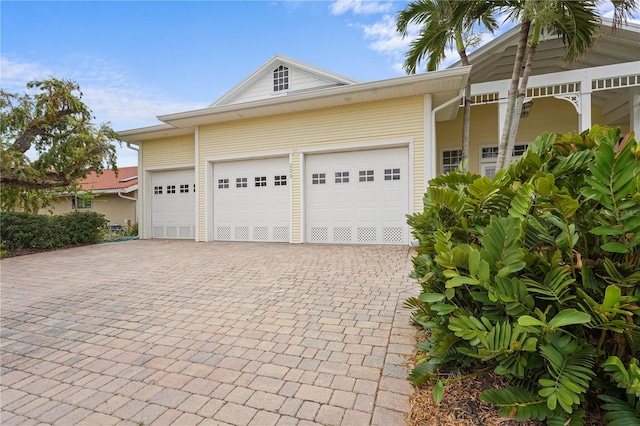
point(358, 197)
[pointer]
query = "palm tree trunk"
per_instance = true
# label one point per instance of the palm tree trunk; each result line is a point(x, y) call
point(466, 126)
point(513, 91)
point(522, 91)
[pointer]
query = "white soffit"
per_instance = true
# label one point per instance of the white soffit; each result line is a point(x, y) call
point(494, 61)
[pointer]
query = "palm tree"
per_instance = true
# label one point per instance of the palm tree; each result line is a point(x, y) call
point(444, 24)
point(576, 21)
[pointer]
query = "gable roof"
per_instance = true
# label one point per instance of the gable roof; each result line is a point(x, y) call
point(324, 78)
point(444, 85)
point(494, 60)
point(107, 181)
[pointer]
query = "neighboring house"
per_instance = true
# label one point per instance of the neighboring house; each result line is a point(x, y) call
point(298, 154)
point(105, 193)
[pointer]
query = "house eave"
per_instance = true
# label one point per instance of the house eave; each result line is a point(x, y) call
point(134, 136)
point(445, 81)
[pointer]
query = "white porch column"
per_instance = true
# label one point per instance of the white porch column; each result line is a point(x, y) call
point(502, 112)
point(634, 111)
point(196, 141)
point(430, 152)
point(584, 110)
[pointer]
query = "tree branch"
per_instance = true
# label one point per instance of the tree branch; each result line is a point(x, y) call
point(23, 142)
point(49, 181)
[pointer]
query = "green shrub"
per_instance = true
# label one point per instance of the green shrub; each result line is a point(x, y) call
point(28, 231)
point(132, 231)
point(535, 274)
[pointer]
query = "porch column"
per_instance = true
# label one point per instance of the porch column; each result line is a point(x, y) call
point(634, 111)
point(584, 112)
point(502, 112)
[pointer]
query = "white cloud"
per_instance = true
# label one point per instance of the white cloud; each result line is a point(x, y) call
point(16, 74)
point(359, 7)
point(108, 90)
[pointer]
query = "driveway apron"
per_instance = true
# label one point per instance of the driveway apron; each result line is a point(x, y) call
point(160, 332)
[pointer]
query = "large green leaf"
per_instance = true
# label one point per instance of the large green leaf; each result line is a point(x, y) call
point(501, 242)
point(569, 317)
point(517, 402)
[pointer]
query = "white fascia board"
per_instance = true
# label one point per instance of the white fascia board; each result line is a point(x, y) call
point(135, 136)
point(334, 96)
point(105, 191)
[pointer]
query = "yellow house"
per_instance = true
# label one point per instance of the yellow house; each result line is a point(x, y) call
point(298, 154)
point(113, 196)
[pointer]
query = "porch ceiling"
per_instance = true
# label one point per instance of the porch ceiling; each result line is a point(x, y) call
point(494, 61)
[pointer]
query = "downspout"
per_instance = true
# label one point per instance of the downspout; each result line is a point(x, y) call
point(433, 125)
point(131, 198)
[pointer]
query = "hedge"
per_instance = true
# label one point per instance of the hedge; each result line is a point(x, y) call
point(24, 230)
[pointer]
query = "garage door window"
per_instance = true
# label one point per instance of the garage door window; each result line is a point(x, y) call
point(366, 175)
point(280, 180)
point(342, 177)
point(261, 181)
point(171, 189)
point(184, 189)
point(223, 183)
point(157, 190)
point(318, 178)
point(241, 182)
point(391, 174)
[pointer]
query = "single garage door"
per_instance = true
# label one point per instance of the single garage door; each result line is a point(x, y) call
point(358, 197)
point(251, 200)
point(173, 204)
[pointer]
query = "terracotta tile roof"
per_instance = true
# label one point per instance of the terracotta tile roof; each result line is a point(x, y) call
point(108, 180)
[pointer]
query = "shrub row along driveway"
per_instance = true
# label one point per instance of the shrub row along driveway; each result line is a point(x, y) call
point(178, 332)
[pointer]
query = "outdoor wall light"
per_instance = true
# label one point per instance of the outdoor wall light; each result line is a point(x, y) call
point(526, 109)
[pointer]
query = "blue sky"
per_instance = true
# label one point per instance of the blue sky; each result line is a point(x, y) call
point(135, 60)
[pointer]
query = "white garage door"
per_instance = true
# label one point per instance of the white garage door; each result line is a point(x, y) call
point(358, 197)
point(173, 204)
point(251, 200)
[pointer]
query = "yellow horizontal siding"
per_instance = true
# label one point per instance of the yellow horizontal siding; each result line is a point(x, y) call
point(371, 122)
point(168, 151)
point(547, 115)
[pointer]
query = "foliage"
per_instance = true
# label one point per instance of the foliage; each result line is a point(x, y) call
point(47, 142)
point(535, 274)
point(444, 24)
point(132, 231)
point(28, 231)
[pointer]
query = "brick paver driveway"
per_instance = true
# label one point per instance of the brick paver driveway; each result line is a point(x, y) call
point(177, 332)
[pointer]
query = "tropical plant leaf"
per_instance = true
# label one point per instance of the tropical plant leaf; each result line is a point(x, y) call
point(517, 402)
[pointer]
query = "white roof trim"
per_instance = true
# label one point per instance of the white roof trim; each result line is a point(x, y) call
point(104, 191)
point(276, 61)
point(334, 96)
point(160, 131)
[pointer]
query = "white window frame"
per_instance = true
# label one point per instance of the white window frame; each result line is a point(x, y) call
point(281, 79)
point(444, 168)
point(489, 163)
